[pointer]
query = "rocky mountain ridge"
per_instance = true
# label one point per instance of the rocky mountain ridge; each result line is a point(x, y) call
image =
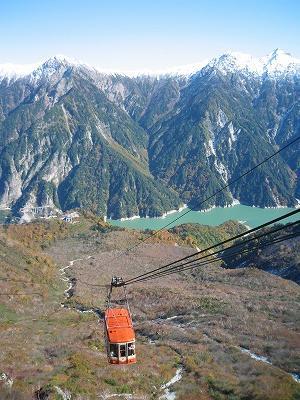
point(71, 136)
point(278, 61)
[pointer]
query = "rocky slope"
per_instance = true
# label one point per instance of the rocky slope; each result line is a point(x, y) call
point(71, 136)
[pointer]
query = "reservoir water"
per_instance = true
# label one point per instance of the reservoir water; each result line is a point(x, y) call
point(250, 216)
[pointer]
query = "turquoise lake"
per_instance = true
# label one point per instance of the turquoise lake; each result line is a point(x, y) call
point(250, 216)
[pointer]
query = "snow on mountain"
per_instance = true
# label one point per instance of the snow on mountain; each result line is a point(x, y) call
point(52, 65)
point(276, 63)
point(231, 62)
point(280, 61)
point(37, 70)
point(10, 71)
point(183, 70)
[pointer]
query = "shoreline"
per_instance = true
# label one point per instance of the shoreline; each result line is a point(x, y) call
point(249, 215)
point(235, 203)
point(164, 215)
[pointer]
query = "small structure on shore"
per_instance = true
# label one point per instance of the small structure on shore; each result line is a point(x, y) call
point(70, 217)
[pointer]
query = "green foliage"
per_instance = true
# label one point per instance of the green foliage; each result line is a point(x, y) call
point(204, 236)
point(159, 143)
point(7, 314)
point(211, 305)
point(222, 390)
point(110, 381)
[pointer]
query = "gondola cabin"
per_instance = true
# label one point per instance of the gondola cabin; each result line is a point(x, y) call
point(120, 337)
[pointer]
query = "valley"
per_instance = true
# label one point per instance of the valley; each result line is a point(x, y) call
point(149, 200)
point(120, 146)
point(197, 330)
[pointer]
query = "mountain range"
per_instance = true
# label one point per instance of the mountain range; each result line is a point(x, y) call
point(119, 144)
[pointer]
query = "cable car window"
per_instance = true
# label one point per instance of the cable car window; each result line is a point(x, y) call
point(113, 350)
point(130, 349)
point(122, 350)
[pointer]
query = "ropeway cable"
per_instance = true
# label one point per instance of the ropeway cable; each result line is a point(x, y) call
point(209, 197)
point(216, 259)
point(177, 267)
point(271, 222)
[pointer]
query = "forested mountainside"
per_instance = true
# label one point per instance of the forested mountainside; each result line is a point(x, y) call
point(71, 136)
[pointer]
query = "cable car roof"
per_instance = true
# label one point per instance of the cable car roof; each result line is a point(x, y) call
point(119, 325)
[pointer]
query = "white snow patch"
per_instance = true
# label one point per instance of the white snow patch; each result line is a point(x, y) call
point(235, 202)
point(222, 170)
point(233, 134)
point(276, 63)
point(255, 356)
point(207, 209)
point(182, 208)
point(209, 148)
point(65, 394)
point(173, 211)
point(265, 360)
point(6, 379)
point(173, 317)
point(126, 396)
point(130, 218)
point(221, 118)
point(168, 394)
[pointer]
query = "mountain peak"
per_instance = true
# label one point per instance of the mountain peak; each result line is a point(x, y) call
point(280, 52)
point(277, 62)
point(62, 59)
point(43, 68)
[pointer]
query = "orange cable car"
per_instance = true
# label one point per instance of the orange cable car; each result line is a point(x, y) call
point(119, 332)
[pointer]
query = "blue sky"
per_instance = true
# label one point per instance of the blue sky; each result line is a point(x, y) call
point(141, 34)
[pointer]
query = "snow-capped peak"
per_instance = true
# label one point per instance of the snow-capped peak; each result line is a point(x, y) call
point(275, 63)
point(61, 59)
point(230, 62)
point(280, 61)
point(52, 65)
point(44, 68)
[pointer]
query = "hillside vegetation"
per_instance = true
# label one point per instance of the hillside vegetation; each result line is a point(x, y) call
point(281, 259)
point(199, 322)
point(71, 137)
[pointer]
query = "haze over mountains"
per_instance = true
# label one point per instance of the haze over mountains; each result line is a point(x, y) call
point(73, 136)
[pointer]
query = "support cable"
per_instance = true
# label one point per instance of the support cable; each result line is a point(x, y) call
point(215, 259)
point(209, 197)
point(271, 222)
